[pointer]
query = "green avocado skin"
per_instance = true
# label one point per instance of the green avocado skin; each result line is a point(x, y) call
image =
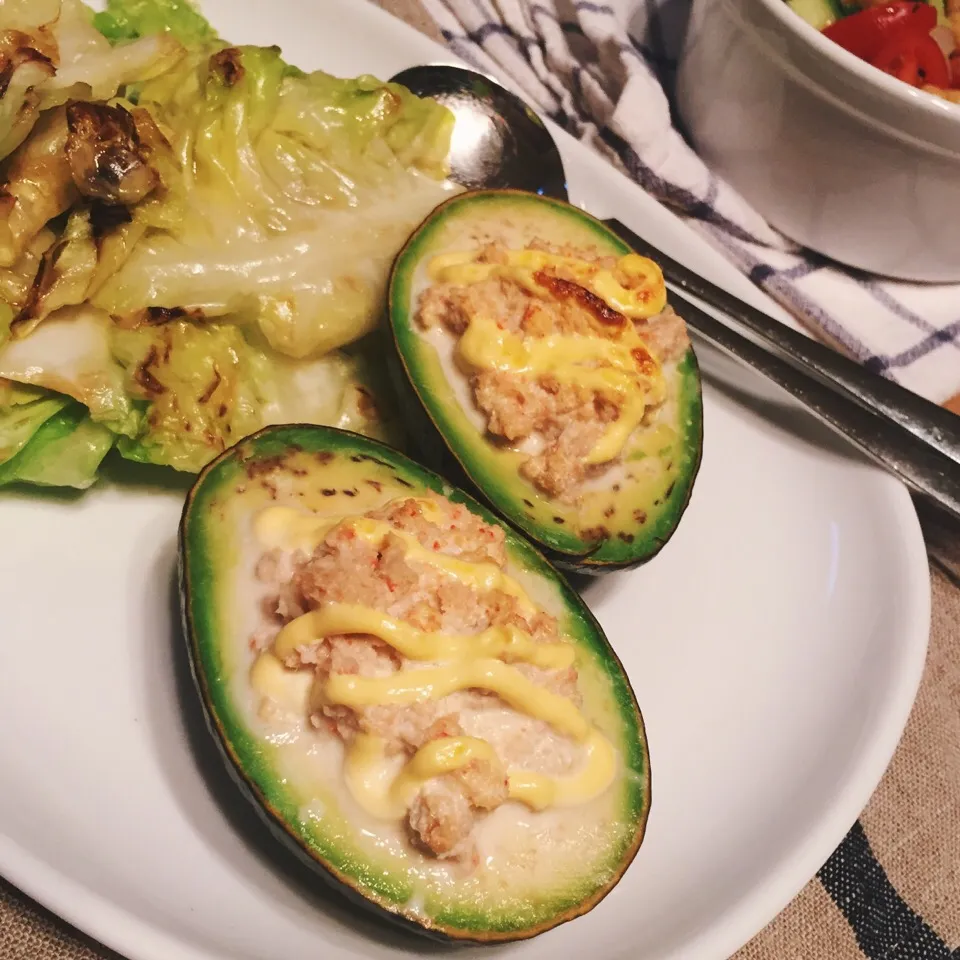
point(439, 442)
point(242, 750)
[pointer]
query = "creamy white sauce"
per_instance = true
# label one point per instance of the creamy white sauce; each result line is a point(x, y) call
point(518, 849)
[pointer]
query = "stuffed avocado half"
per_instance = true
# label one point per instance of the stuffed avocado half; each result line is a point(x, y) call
point(413, 698)
point(548, 363)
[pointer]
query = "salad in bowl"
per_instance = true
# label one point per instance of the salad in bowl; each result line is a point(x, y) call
point(822, 114)
point(915, 41)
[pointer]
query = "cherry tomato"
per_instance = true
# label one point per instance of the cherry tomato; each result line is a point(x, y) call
point(915, 58)
point(866, 33)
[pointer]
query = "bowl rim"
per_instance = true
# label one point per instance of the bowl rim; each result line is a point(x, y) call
point(909, 96)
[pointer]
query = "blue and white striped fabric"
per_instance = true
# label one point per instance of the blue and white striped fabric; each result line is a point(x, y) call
point(604, 71)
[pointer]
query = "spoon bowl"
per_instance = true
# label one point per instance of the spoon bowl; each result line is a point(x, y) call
point(498, 141)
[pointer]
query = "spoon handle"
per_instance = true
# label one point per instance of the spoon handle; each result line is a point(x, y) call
point(924, 420)
point(925, 470)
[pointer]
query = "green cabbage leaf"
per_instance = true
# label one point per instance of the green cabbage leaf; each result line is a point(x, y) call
point(65, 451)
point(23, 411)
point(293, 195)
point(71, 353)
point(51, 52)
point(204, 387)
point(132, 19)
point(195, 238)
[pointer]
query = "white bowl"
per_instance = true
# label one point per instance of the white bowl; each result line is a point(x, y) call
point(836, 154)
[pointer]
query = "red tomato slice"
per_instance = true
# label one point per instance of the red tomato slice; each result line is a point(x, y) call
point(915, 59)
point(866, 33)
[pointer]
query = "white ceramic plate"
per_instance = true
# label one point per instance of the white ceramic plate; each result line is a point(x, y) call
point(779, 650)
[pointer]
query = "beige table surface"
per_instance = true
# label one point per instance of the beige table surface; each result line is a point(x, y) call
point(912, 824)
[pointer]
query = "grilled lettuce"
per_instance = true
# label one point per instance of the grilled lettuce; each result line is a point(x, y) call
point(295, 194)
point(194, 237)
point(23, 411)
point(65, 451)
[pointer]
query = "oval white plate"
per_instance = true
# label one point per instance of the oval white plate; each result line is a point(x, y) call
point(775, 646)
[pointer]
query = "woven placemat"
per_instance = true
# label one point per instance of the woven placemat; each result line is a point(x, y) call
point(892, 889)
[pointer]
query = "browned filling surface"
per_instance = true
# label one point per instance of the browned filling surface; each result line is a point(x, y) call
point(345, 568)
point(562, 422)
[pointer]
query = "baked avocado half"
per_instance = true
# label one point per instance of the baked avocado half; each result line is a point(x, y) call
point(415, 701)
point(548, 363)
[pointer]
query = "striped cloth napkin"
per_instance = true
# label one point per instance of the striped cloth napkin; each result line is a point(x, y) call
point(604, 72)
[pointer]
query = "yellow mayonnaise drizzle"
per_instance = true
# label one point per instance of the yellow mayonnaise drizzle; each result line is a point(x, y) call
point(382, 785)
point(287, 688)
point(292, 529)
point(613, 367)
point(645, 296)
point(387, 794)
point(433, 683)
point(485, 346)
point(538, 791)
point(509, 643)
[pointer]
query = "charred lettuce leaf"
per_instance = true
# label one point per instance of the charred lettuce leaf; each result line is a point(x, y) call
point(175, 209)
point(130, 19)
point(6, 318)
point(296, 192)
point(65, 451)
point(204, 387)
point(50, 52)
point(23, 411)
point(28, 55)
point(70, 353)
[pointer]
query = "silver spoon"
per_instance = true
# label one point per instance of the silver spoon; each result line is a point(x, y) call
point(498, 141)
